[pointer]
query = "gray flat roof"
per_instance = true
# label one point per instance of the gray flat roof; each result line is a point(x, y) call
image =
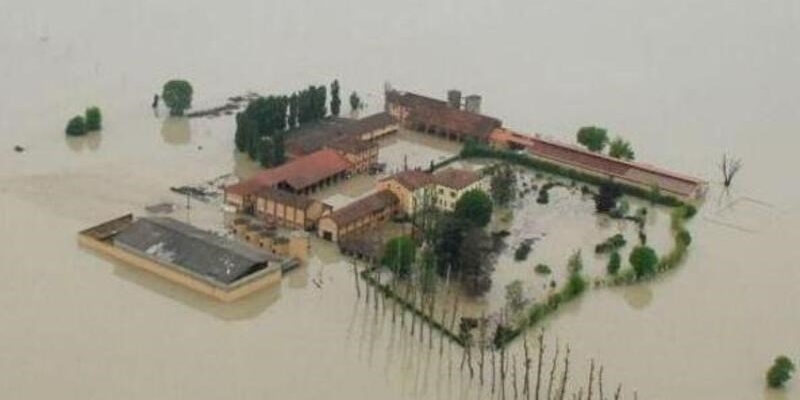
point(175, 243)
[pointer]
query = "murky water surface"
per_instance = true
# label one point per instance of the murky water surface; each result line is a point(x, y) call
point(684, 81)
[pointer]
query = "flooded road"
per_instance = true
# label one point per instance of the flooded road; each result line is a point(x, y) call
point(683, 81)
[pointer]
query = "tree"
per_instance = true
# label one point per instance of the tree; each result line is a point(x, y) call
point(684, 238)
point(450, 232)
point(504, 185)
point(621, 148)
point(644, 260)
point(730, 167)
point(474, 266)
point(593, 138)
point(780, 372)
point(177, 95)
point(355, 102)
point(475, 206)
point(614, 263)
point(399, 255)
point(94, 120)
point(76, 126)
point(606, 198)
point(293, 110)
point(336, 102)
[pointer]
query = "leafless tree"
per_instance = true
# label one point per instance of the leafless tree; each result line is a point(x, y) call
point(730, 167)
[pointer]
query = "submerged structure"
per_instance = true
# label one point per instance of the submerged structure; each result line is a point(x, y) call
point(218, 267)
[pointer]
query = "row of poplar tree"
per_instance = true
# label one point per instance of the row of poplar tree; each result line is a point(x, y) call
point(261, 129)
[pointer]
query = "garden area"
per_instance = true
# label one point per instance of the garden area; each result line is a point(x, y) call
point(547, 240)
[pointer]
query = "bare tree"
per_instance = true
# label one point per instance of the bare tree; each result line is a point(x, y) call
point(730, 167)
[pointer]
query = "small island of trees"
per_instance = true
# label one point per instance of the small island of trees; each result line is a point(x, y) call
point(91, 121)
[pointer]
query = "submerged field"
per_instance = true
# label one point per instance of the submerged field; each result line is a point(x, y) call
point(682, 82)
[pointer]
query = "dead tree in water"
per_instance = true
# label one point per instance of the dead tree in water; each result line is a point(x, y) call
point(493, 370)
point(539, 364)
point(552, 373)
point(600, 383)
point(482, 344)
point(730, 167)
point(526, 388)
point(591, 381)
point(514, 374)
point(355, 275)
point(503, 373)
point(565, 376)
point(618, 393)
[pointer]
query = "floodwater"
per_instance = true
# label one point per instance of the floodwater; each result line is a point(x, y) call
point(684, 81)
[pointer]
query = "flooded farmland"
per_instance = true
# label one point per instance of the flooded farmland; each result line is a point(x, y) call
point(683, 81)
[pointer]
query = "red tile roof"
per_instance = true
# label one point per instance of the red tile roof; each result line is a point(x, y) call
point(635, 172)
point(411, 179)
point(438, 113)
point(298, 174)
point(456, 178)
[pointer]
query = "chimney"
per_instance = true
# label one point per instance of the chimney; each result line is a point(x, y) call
point(454, 98)
point(472, 103)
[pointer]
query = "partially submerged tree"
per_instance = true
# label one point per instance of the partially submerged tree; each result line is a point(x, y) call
point(94, 119)
point(614, 263)
point(644, 260)
point(606, 199)
point(593, 138)
point(780, 372)
point(76, 126)
point(621, 148)
point(474, 206)
point(504, 185)
point(399, 255)
point(515, 297)
point(336, 102)
point(355, 102)
point(730, 167)
point(177, 95)
point(474, 263)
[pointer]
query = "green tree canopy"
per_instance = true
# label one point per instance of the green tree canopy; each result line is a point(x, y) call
point(614, 263)
point(475, 206)
point(644, 260)
point(177, 95)
point(593, 138)
point(504, 185)
point(780, 372)
point(621, 148)
point(336, 102)
point(94, 119)
point(515, 296)
point(76, 126)
point(399, 255)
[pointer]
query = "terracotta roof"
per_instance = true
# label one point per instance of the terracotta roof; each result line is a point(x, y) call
point(297, 201)
point(578, 157)
point(436, 112)
point(411, 179)
point(456, 178)
point(364, 207)
point(298, 174)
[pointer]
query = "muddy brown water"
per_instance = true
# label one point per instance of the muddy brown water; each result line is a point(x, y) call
point(684, 81)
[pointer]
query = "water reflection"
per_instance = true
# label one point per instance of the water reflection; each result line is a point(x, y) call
point(90, 141)
point(176, 130)
point(245, 308)
point(638, 296)
point(775, 394)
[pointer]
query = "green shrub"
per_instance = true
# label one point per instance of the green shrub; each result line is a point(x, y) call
point(614, 263)
point(522, 251)
point(576, 285)
point(542, 269)
point(683, 238)
point(76, 126)
point(611, 244)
